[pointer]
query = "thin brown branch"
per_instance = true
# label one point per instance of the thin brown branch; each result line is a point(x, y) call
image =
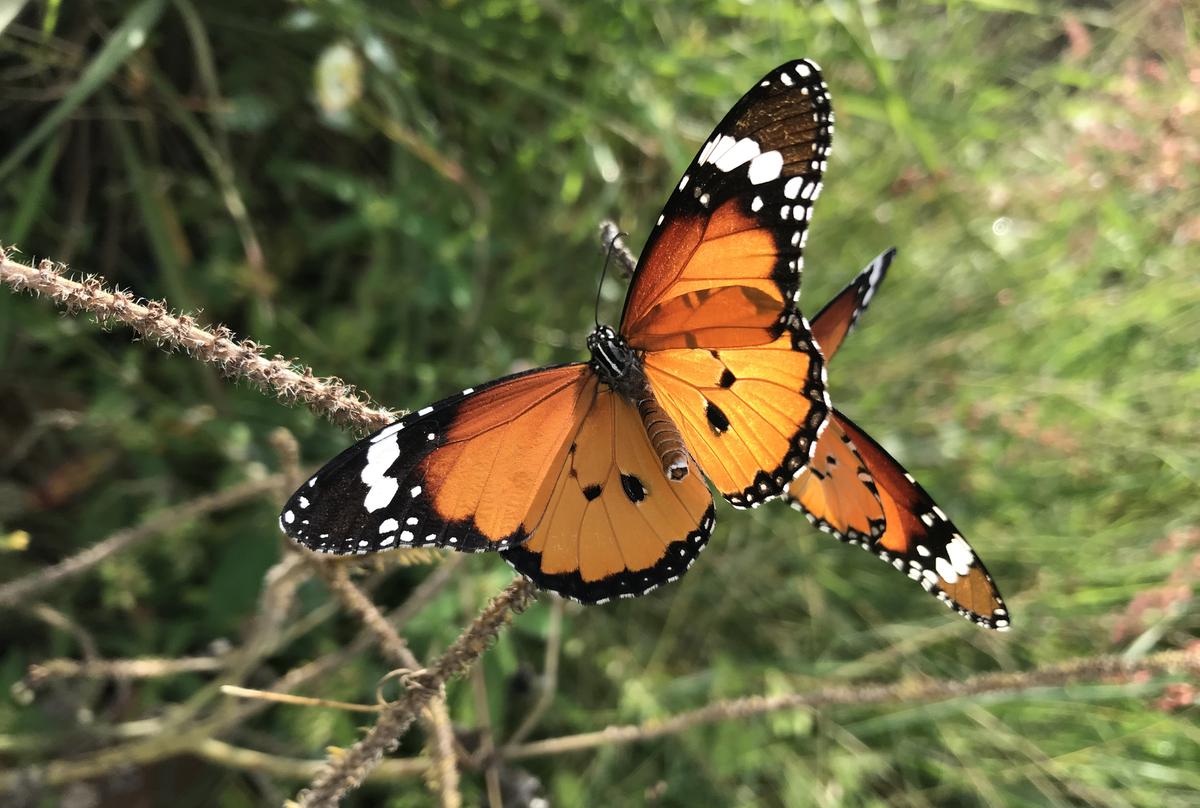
point(235, 757)
point(611, 238)
point(346, 770)
point(143, 668)
point(19, 590)
point(487, 739)
point(300, 701)
point(1112, 669)
point(549, 684)
point(445, 772)
point(244, 359)
point(395, 649)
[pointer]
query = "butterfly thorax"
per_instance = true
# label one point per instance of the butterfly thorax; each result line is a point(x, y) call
point(620, 367)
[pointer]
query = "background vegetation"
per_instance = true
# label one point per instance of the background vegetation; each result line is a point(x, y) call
point(407, 194)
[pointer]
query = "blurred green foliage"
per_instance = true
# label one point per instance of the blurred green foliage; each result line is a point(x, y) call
point(406, 195)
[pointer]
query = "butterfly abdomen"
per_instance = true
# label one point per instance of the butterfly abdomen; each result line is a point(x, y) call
point(664, 435)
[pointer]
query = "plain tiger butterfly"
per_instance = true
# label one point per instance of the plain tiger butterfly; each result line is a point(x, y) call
point(590, 477)
point(856, 491)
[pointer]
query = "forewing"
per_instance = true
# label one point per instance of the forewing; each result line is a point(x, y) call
point(711, 304)
point(468, 472)
point(722, 265)
point(920, 541)
point(838, 318)
point(614, 525)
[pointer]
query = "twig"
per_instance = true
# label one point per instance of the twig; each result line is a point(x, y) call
point(1112, 668)
point(143, 668)
point(346, 770)
point(445, 771)
point(549, 676)
point(301, 701)
point(330, 397)
point(487, 740)
point(235, 757)
point(612, 238)
point(199, 741)
point(21, 589)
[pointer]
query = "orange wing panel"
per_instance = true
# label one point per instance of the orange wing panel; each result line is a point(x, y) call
point(749, 416)
point(464, 473)
point(614, 525)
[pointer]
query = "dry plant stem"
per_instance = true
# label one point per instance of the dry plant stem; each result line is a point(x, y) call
point(199, 738)
point(346, 770)
point(1089, 669)
point(244, 359)
point(611, 237)
point(549, 675)
point(445, 772)
point(487, 740)
point(234, 757)
point(143, 668)
point(15, 592)
point(300, 701)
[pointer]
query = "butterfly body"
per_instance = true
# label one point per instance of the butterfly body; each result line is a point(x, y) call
point(620, 368)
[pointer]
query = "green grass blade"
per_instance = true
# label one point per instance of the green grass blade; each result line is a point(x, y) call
point(127, 38)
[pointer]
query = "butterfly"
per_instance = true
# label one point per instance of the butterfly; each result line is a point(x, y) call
point(856, 491)
point(592, 478)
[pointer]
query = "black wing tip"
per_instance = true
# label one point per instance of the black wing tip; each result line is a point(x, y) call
point(795, 65)
point(677, 559)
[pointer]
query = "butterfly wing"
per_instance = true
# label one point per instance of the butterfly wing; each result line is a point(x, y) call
point(920, 540)
point(836, 491)
point(470, 472)
point(614, 526)
point(838, 318)
point(711, 304)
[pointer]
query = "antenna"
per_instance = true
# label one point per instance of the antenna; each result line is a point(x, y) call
point(612, 246)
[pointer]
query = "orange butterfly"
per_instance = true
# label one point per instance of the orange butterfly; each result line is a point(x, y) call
point(856, 491)
point(590, 477)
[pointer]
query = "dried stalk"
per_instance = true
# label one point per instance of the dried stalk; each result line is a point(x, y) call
point(611, 238)
point(21, 589)
point(1114, 669)
point(282, 378)
point(394, 647)
point(346, 770)
point(143, 668)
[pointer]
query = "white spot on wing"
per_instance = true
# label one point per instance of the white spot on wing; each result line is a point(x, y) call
point(945, 571)
point(741, 152)
point(380, 487)
point(766, 167)
point(388, 525)
point(960, 555)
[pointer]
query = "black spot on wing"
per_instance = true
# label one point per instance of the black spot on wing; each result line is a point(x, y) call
point(633, 488)
point(592, 491)
point(727, 379)
point(716, 418)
